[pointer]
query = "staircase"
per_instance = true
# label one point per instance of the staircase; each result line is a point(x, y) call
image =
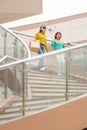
point(47, 89)
point(48, 84)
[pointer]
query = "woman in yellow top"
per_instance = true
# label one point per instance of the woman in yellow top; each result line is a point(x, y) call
point(43, 45)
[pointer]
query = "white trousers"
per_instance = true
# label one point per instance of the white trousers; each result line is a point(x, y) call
point(60, 62)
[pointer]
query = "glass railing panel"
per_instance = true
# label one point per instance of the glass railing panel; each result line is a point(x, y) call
point(78, 62)
point(12, 78)
point(9, 45)
point(15, 48)
point(77, 71)
point(12, 90)
point(12, 45)
point(2, 41)
point(25, 37)
point(46, 87)
point(19, 50)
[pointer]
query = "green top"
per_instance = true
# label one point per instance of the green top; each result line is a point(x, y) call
point(57, 44)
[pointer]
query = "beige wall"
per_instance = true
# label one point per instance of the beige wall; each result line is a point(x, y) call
point(70, 116)
point(73, 28)
point(16, 9)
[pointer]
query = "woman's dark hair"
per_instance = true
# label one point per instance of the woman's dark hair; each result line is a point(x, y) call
point(41, 28)
point(57, 34)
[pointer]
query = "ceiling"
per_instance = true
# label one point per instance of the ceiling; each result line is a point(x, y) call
point(11, 10)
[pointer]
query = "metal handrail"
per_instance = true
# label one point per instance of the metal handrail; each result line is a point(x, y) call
point(32, 36)
point(28, 35)
point(43, 55)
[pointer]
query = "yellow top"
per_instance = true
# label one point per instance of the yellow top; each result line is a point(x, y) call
point(42, 38)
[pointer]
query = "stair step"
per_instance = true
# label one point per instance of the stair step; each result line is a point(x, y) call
point(11, 110)
point(56, 85)
point(55, 94)
point(49, 79)
point(9, 116)
point(28, 107)
point(40, 101)
point(46, 79)
point(46, 76)
point(47, 95)
point(46, 90)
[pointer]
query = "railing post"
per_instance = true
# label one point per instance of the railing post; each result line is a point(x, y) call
point(28, 90)
point(5, 38)
point(66, 75)
point(5, 83)
point(23, 89)
point(15, 79)
point(85, 63)
point(15, 48)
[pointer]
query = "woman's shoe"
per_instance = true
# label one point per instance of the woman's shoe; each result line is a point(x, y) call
point(42, 69)
point(59, 74)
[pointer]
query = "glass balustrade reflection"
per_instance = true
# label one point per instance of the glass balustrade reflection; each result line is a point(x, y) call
point(13, 88)
point(46, 86)
point(12, 46)
point(77, 71)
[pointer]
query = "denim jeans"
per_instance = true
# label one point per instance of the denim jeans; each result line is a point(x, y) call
point(41, 51)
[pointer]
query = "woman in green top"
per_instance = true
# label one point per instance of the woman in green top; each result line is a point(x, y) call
point(58, 44)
